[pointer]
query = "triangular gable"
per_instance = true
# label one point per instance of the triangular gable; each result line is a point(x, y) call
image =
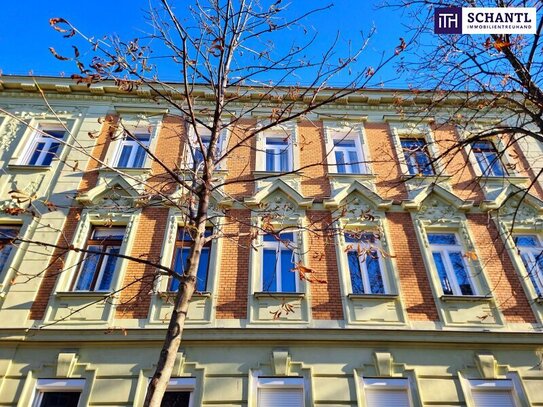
point(512, 191)
point(118, 185)
point(357, 187)
point(279, 185)
point(439, 191)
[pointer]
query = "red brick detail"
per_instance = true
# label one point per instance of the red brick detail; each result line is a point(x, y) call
point(325, 297)
point(384, 162)
point(457, 165)
point(233, 289)
point(313, 155)
point(99, 152)
point(240, 162)
point(138, 279)
point(169, 150)
point(88, 181)
point(415, 287)
point(504, 281)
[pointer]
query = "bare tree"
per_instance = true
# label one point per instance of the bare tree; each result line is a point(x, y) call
point(228, 49)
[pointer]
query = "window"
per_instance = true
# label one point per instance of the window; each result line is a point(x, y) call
point(179, 393)
point(7, 234)
point(284, 392)
point(365, 263)
point(132, 152)
point(493, 393)
point(278, 154)
point(530, 250)
point(183, 245)
point(488, 159)
point(58, 392)
point(44, 146)
point(96, 270)
point(451, 268)
point(387, 392)
point(416, 156)
point(278, 263)
point(347, 154)
point(199, 155)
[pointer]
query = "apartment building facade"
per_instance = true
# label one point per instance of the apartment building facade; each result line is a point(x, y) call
point(419, 294)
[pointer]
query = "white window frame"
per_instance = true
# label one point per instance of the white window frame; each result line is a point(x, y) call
point(416, 130)
point(102, 266)
point(192, 145)
point(287, 131)
point(481, 385)
point(129, 141)
point(499, 154)
point(364, 269)
point(334, 131)
point(37, 137)
point(531, 252)
point(57, 385)
point(264, 382)
point(444, 249)
point(361, 161)
point(426, 150)
point(399, 383)
point(277, 152)
point(183, 384)
point(278, 245)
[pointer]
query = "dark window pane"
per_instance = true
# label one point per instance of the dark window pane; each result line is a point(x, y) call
point(270, 160)
point(36, 154)
point(109, 269)
point(526, 241)
point(55, 133)
point(354, 162)
point(125, 155)
point(345, 143)
point(374, 273)
point(88, 269)
point(268, 275)
point(356, 273)
point(340, 162)
point(461, 273)
point(53, 148)
point(442, 238)
point(440, 266)
point(181, 256)
point(60, 399)
point(203, 267)
point(140, 157)
point(176, 399)
point(288, 277)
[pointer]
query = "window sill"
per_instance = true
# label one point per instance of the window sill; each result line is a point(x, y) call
point(426, 178)
point(84, 294)
point(511, 179)
point(347, 176)
point(128, 170)
point(355, 297)
point(271, 174)
point(466, 298)
point(29, 168)
point(166, 295)
point(269, 294)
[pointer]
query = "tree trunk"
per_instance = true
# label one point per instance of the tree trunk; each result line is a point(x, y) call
point(161, 377)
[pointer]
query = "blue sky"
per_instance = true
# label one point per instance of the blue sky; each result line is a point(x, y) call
point(26, 36)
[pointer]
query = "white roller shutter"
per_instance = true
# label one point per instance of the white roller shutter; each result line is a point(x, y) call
point(387, 398)
point(277, 397)
point(493, 398)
